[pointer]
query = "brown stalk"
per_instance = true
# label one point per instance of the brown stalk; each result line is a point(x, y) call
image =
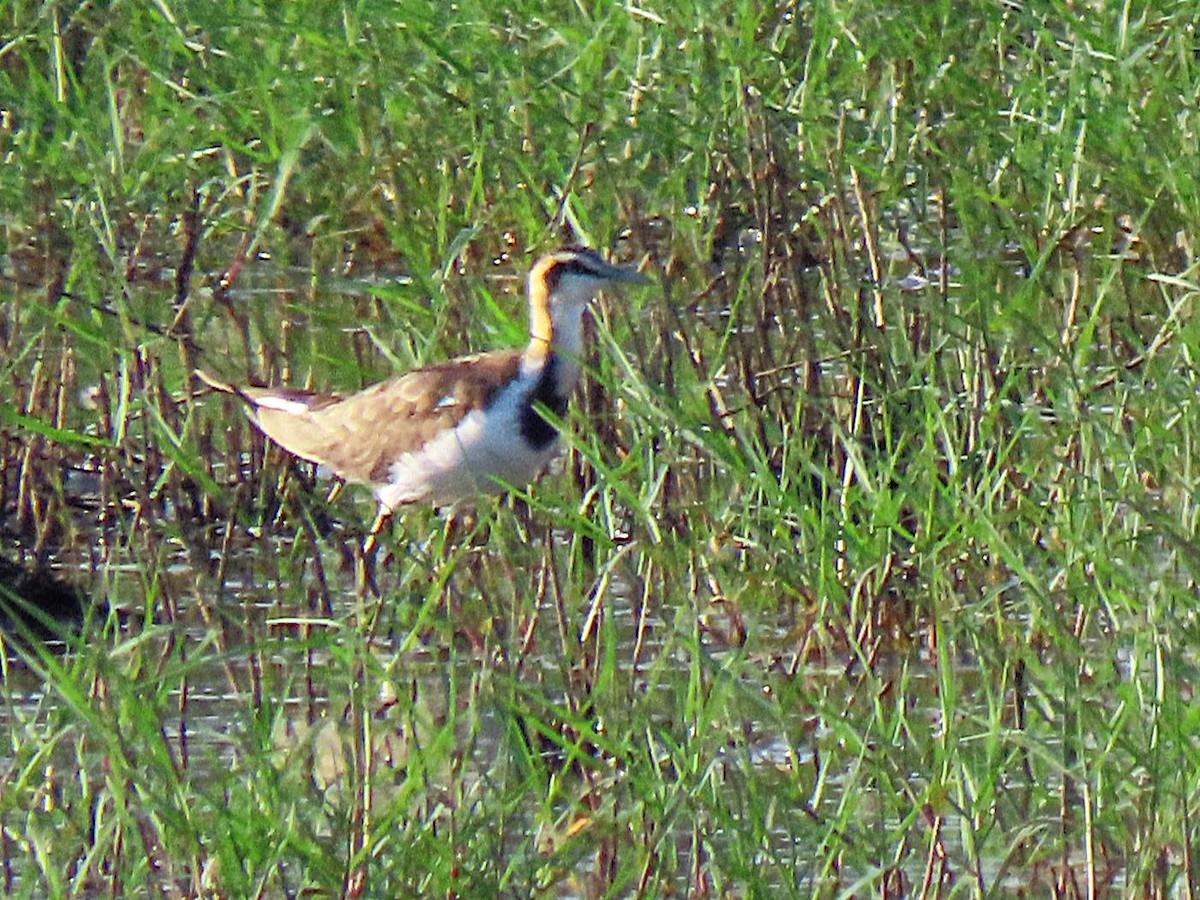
point(182, 324)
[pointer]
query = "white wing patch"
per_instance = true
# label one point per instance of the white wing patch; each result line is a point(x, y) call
point(281, 404)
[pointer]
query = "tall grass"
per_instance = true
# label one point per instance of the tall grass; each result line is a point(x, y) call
point(870, 567)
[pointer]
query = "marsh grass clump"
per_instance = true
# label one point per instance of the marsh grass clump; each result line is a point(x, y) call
point(871, 565)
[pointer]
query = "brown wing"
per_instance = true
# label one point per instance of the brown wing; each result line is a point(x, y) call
point(360, 436)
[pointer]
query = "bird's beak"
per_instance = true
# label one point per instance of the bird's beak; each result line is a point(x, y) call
point(627, 274)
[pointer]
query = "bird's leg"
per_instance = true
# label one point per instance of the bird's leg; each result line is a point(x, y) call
point(366, 555)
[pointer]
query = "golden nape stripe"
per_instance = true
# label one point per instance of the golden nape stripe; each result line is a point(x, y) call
point(450, 431)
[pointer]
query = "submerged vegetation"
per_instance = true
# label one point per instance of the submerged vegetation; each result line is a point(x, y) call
point(871, 568)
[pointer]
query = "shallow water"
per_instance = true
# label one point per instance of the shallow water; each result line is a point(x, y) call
point(234, 620)
point(248, 647)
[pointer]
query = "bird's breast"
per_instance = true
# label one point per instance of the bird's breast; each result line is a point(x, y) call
point(504, 444)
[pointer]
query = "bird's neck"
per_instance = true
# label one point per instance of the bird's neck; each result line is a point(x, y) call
point(558, 337)
point(558, 360)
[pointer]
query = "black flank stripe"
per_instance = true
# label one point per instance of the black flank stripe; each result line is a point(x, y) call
point(536, 431)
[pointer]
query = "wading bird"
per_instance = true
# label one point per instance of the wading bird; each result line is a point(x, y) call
point(448, 432)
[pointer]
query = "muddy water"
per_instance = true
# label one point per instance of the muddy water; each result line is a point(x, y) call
point(249, 633)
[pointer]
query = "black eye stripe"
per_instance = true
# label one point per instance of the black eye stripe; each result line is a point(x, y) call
point(573, 266)
point(577, 267)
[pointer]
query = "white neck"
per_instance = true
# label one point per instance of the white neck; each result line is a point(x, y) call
point(567, 348)
point(565, 307)
point(568, 329)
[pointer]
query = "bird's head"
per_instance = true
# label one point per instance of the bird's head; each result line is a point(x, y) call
point(562, 283)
